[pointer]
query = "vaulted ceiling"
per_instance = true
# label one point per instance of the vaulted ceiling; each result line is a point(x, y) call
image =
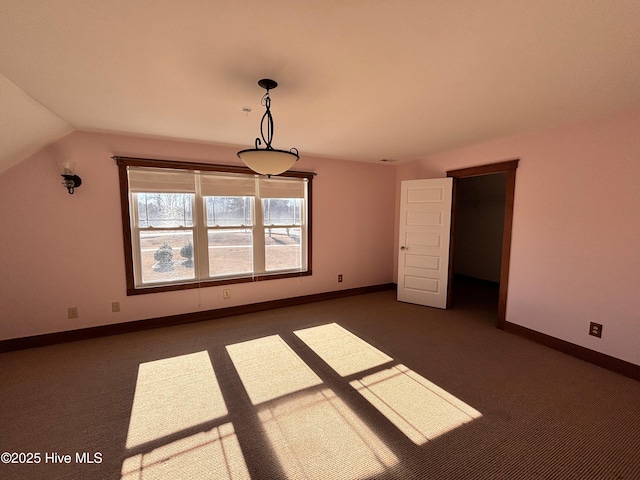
point(358, 79)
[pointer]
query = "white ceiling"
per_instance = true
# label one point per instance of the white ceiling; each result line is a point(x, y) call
point(359, 79)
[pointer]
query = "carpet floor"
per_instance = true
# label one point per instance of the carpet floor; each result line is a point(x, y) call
point(362, 387)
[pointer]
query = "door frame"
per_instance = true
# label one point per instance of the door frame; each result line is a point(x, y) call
point(509, 167)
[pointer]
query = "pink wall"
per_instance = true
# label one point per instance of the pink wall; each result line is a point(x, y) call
point(575, 254)
point(60, 250)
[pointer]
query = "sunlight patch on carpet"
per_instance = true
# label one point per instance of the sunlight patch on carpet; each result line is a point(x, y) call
point(417, 407)
point(312, 432)
point(174, 394)
point(342, 350)
point(214, 455)
point(317, 436)
point(270, 369)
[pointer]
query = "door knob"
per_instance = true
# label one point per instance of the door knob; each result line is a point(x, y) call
point(404, 248)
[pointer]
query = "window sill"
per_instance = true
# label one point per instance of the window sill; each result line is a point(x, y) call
point(213, 283)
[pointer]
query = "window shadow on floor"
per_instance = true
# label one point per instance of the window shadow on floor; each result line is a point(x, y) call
point(313, 403)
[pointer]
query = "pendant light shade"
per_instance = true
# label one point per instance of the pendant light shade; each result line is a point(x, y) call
point(268, 161)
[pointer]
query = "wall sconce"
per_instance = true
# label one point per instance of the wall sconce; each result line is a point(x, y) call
point(70, 181)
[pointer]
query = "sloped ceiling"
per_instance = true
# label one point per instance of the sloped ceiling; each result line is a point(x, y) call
point(359, 80)
point(25, 125)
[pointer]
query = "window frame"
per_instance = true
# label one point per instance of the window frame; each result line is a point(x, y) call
point(128, 243)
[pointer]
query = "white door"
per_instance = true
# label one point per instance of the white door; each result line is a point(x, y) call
point(425, 231)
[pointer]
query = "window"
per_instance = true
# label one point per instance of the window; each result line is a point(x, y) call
point(188, 225)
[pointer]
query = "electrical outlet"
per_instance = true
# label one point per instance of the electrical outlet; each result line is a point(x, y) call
point(115, 307)
point(226, 294)
point(72, 312)
point(595, 329)
point(340, 278)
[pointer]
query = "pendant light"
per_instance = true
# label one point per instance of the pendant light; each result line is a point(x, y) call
point(268, 160)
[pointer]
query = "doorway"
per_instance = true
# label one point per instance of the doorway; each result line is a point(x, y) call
point(482, 216)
